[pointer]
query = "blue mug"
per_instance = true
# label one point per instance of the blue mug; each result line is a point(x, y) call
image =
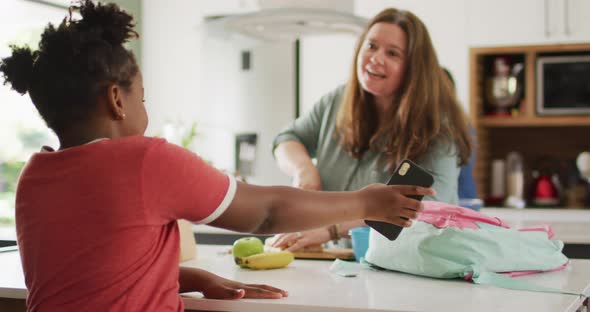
point(360, 241)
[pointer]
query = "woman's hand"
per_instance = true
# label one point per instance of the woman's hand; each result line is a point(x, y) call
point(216, 287)
point(391, 203)
point(308, 178)
point(299, 240)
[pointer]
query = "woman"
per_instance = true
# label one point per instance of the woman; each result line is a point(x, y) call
point(396, 104)
point(96, 219)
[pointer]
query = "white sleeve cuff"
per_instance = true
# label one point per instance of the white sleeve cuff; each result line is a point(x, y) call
point(229, 197)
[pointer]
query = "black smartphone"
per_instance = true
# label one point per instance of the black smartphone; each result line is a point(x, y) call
point(407, 173)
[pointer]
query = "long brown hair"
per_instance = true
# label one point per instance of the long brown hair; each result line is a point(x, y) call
point(425, 105)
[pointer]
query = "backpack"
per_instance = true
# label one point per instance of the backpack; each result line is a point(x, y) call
point(454, 242)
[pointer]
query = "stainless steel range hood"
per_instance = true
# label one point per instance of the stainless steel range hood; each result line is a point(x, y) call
point(277, 20)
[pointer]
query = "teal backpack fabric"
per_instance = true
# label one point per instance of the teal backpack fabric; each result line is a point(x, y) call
point(454, 242)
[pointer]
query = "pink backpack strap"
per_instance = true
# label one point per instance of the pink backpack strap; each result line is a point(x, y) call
point(540, 228)
point(443, 215)
point(523, 273)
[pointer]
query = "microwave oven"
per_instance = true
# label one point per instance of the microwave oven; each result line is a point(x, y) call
point(563, 85)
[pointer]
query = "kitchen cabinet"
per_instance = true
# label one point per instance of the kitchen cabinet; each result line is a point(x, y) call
point(538, 138)
point(524, 22)
point(577, 21)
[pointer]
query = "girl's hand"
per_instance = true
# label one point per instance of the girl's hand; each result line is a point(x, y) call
point(299, 240)
point(308, 178)
point(390, 203)
point(221, 288)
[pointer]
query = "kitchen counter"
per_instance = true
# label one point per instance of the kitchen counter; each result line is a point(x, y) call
point(312, 288)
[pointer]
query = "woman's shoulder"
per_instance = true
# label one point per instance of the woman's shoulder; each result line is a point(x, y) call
point(337, 94)
point(338, 91)
point(333, 97)
point(442, 146)
point(329, 104)
point(441, 152)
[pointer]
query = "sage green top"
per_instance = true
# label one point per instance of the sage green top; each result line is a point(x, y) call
point(340, 172)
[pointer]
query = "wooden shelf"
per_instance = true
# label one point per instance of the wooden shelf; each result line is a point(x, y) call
point(553, 121)
point(559, 138)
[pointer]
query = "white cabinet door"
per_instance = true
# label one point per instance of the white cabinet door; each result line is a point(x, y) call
point(508, 22)
point(523, 22)
point(568, 21)
point(577, 21)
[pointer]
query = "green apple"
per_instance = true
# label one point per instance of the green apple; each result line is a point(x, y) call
point(247, 246)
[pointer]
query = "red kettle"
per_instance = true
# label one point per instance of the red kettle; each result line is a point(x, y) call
point(545, 191)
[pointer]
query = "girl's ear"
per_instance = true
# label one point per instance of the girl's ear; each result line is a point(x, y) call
point(115, 102)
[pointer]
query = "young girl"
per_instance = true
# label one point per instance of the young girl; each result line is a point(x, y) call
point(96, 219)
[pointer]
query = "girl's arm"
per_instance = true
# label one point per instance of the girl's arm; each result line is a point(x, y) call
point(277, 209)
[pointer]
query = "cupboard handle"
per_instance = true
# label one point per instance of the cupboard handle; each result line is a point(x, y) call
point(566, 17)
point(546, 18)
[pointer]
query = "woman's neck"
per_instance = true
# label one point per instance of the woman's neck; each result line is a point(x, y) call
point(383, 105)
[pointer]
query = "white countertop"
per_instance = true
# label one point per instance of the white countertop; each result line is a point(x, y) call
point(12, 279)
point(312, 288)
point(572, 226)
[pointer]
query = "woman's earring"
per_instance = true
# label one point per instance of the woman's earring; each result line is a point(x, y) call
point(121, 117)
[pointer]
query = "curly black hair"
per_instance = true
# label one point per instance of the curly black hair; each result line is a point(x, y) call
point(74, 64)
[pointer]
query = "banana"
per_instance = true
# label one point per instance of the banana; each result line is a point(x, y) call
point(266, 260)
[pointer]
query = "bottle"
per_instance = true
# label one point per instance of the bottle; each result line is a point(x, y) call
point(497, 193)
point(514, 181)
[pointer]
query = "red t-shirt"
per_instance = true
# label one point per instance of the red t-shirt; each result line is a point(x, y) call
point(96, 223)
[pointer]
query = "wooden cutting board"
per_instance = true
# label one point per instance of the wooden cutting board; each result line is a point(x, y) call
point(327, 254)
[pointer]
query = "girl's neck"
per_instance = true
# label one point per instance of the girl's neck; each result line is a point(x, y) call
point(80, 135)
point(69, 143)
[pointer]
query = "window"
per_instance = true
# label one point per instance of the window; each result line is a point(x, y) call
point(22, 131)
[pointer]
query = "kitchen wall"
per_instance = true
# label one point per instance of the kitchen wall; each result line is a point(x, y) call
point(193, 76)
point(260, 100)
point(171, 54)
point(325, 64)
